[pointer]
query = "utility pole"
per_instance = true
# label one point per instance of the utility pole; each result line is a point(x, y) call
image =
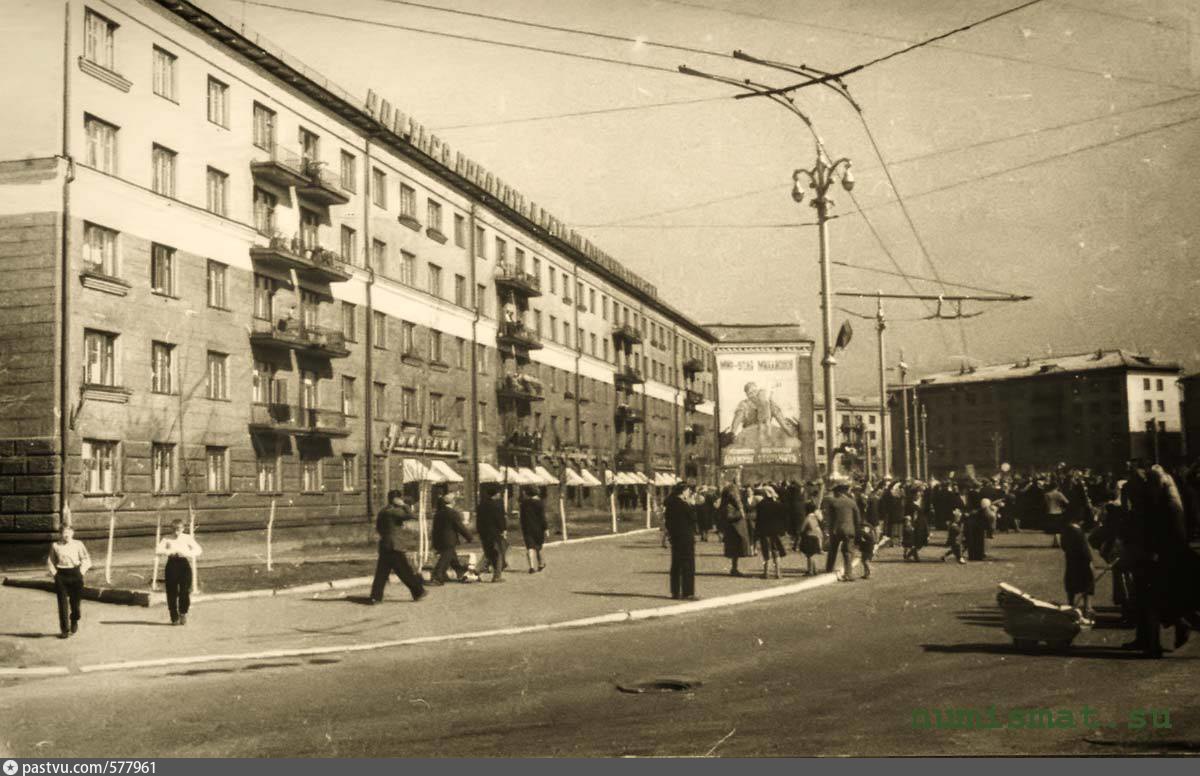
point(884, 434)
point(925, 436)
point(916, 415)
point(903, 368)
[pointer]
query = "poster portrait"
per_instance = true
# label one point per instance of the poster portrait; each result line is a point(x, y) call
point(760, 416)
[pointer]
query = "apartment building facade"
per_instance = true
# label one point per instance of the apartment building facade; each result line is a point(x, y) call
point(231, 282)
point(860, 434)
point(1095, 410)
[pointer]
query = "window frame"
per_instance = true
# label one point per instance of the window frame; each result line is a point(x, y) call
point(221, 103)
point(89, 447)
point(168, 87)
point(218, 205)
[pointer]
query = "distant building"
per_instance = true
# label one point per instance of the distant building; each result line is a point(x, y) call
point(764, 400)
point(859, 433)
point(1094, 410)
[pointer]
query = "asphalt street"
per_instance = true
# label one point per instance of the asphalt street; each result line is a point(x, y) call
point(838, 670)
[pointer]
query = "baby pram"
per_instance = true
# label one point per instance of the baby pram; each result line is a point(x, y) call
point(1030, 621)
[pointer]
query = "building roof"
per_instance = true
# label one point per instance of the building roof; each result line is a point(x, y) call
point(742, 333)
point(848, 402)
point(1094, 361)
point(402, 134)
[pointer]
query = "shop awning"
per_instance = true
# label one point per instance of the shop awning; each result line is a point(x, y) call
point(589, 479)
point(546, 477)
point(639, 478)
point(662, 479)
point(489, 473)
point(572, 478)
point(440, 471)
point(414, 471)
point(625, 478)
point(530, 476)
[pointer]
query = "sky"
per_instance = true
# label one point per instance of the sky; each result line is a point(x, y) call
point(1052, 152)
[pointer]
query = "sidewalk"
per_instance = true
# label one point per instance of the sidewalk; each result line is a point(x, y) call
point(584, 580)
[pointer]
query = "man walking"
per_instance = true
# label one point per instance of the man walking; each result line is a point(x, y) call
point(844, 519)
point(447, 529)
point(391, 557)
point(181, 551)
point(67, 562)
point(680, 523)
point(492, 525)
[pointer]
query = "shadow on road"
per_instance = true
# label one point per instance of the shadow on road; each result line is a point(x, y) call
point(994, 648)
point(167, 623)
point(603, 594)
point(27, 635)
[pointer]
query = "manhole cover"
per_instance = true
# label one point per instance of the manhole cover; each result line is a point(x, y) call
point(668, 684)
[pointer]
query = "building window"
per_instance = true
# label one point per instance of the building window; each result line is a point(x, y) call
point(98, 35)
point(1148, 405)
point(1162, 406)
point(312, 475)
point(162, 270)
point(349, 322)
point(408, 201)
point(310, 229)
point(481, 419)
point(163, 162)
point(592, 301)
point(309, 390)
point(349, 472)
point(99, 250)
point(266, 466)
point(217, 184)
point(408, 405)
point(433, 215)
point(216, 460)
point(481, 299)
point(408, 338)
point(481, 358)
point(349, 171)
point(162, 367)
point(460, 291)
point(501, 251)
point(379, 329)
point(460, 355)
point(553, 281)
point(537, 269)
point(592, 342)
point(310, 147)
point(350, 245)
point(264, 212)
point(379, 397)
point(566, 334)
point(162, 465)
point(378, 187)
point(537, 322)
point(379, 256)
point(218, 375)
point(164, 74)
point(519, 259)
point(435, 347)
point(436, 410)
point(553, 328)
point(264, 389)
point(264, 127)
point(408, 268)
point(435, 280)
point(264, 297)
point(1158, 385)
point(1145, 383)
point(604, 344)
point(100, 459)
point(217, 285)
point(218, 102)
point(101, 144)
point(349, 396)
point(460, 231)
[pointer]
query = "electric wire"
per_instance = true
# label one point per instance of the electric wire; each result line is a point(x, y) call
point(954, 284)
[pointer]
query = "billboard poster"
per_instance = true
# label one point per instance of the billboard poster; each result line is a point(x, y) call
point(760, 416)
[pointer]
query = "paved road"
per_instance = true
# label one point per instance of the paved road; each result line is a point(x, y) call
point(836, 670)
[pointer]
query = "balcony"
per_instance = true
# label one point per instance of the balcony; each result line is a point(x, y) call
point(517, 335)
point(283, 167)
point(630, 459)
point(289, 333)
point(627, 333)
point(628, 376)
point(692, 399)
point(693, 434)
point(517, 281)
point(629, 414)
point(292, 419)
point(519, 388)
point(693, 366)
point(316, 263)
point(321, 186)
point(522, 442)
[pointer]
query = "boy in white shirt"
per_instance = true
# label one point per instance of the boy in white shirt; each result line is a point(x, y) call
point(181, 551)
point(67, 562)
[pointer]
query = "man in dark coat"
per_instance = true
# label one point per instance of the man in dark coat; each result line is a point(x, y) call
point(392, 556)
point(843, 519)
point(680, 521)
point(533, 528)
point(492, 527)
point(447, 530)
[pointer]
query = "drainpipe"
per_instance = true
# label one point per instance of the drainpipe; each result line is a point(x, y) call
point(473, 415)
point(64, 322)
point(369, 388)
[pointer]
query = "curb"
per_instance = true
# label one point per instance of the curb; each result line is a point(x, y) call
point(154, 598)
point(622, 616)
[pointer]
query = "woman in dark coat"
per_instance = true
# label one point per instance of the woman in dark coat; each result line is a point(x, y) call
point(772, 522)
point(679, 520)
point(533, 528)
point(706, 513)
point(731, 519)
point(975, 530)
point(1078, 578)
point(447, 529)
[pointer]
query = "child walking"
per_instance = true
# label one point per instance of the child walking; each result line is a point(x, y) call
point(954, 538)
point(907, 539)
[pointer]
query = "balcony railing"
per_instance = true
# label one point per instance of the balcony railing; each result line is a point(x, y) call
point(628, 376)
point(626, 332)
point(294, 419)
point(283, 167)
point(518, 281)
point(315, 262)
point(520, 388)
point(523, 441)
point(629, 414)
point(289, 333)
point(692, 399)
point(321, 185)
point(518, 335)
point(693, 366)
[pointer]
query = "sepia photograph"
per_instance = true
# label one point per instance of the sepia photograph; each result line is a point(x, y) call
point(815, 379)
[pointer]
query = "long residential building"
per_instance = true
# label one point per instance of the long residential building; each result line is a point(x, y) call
point(230, 282)
point(1095, 410)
